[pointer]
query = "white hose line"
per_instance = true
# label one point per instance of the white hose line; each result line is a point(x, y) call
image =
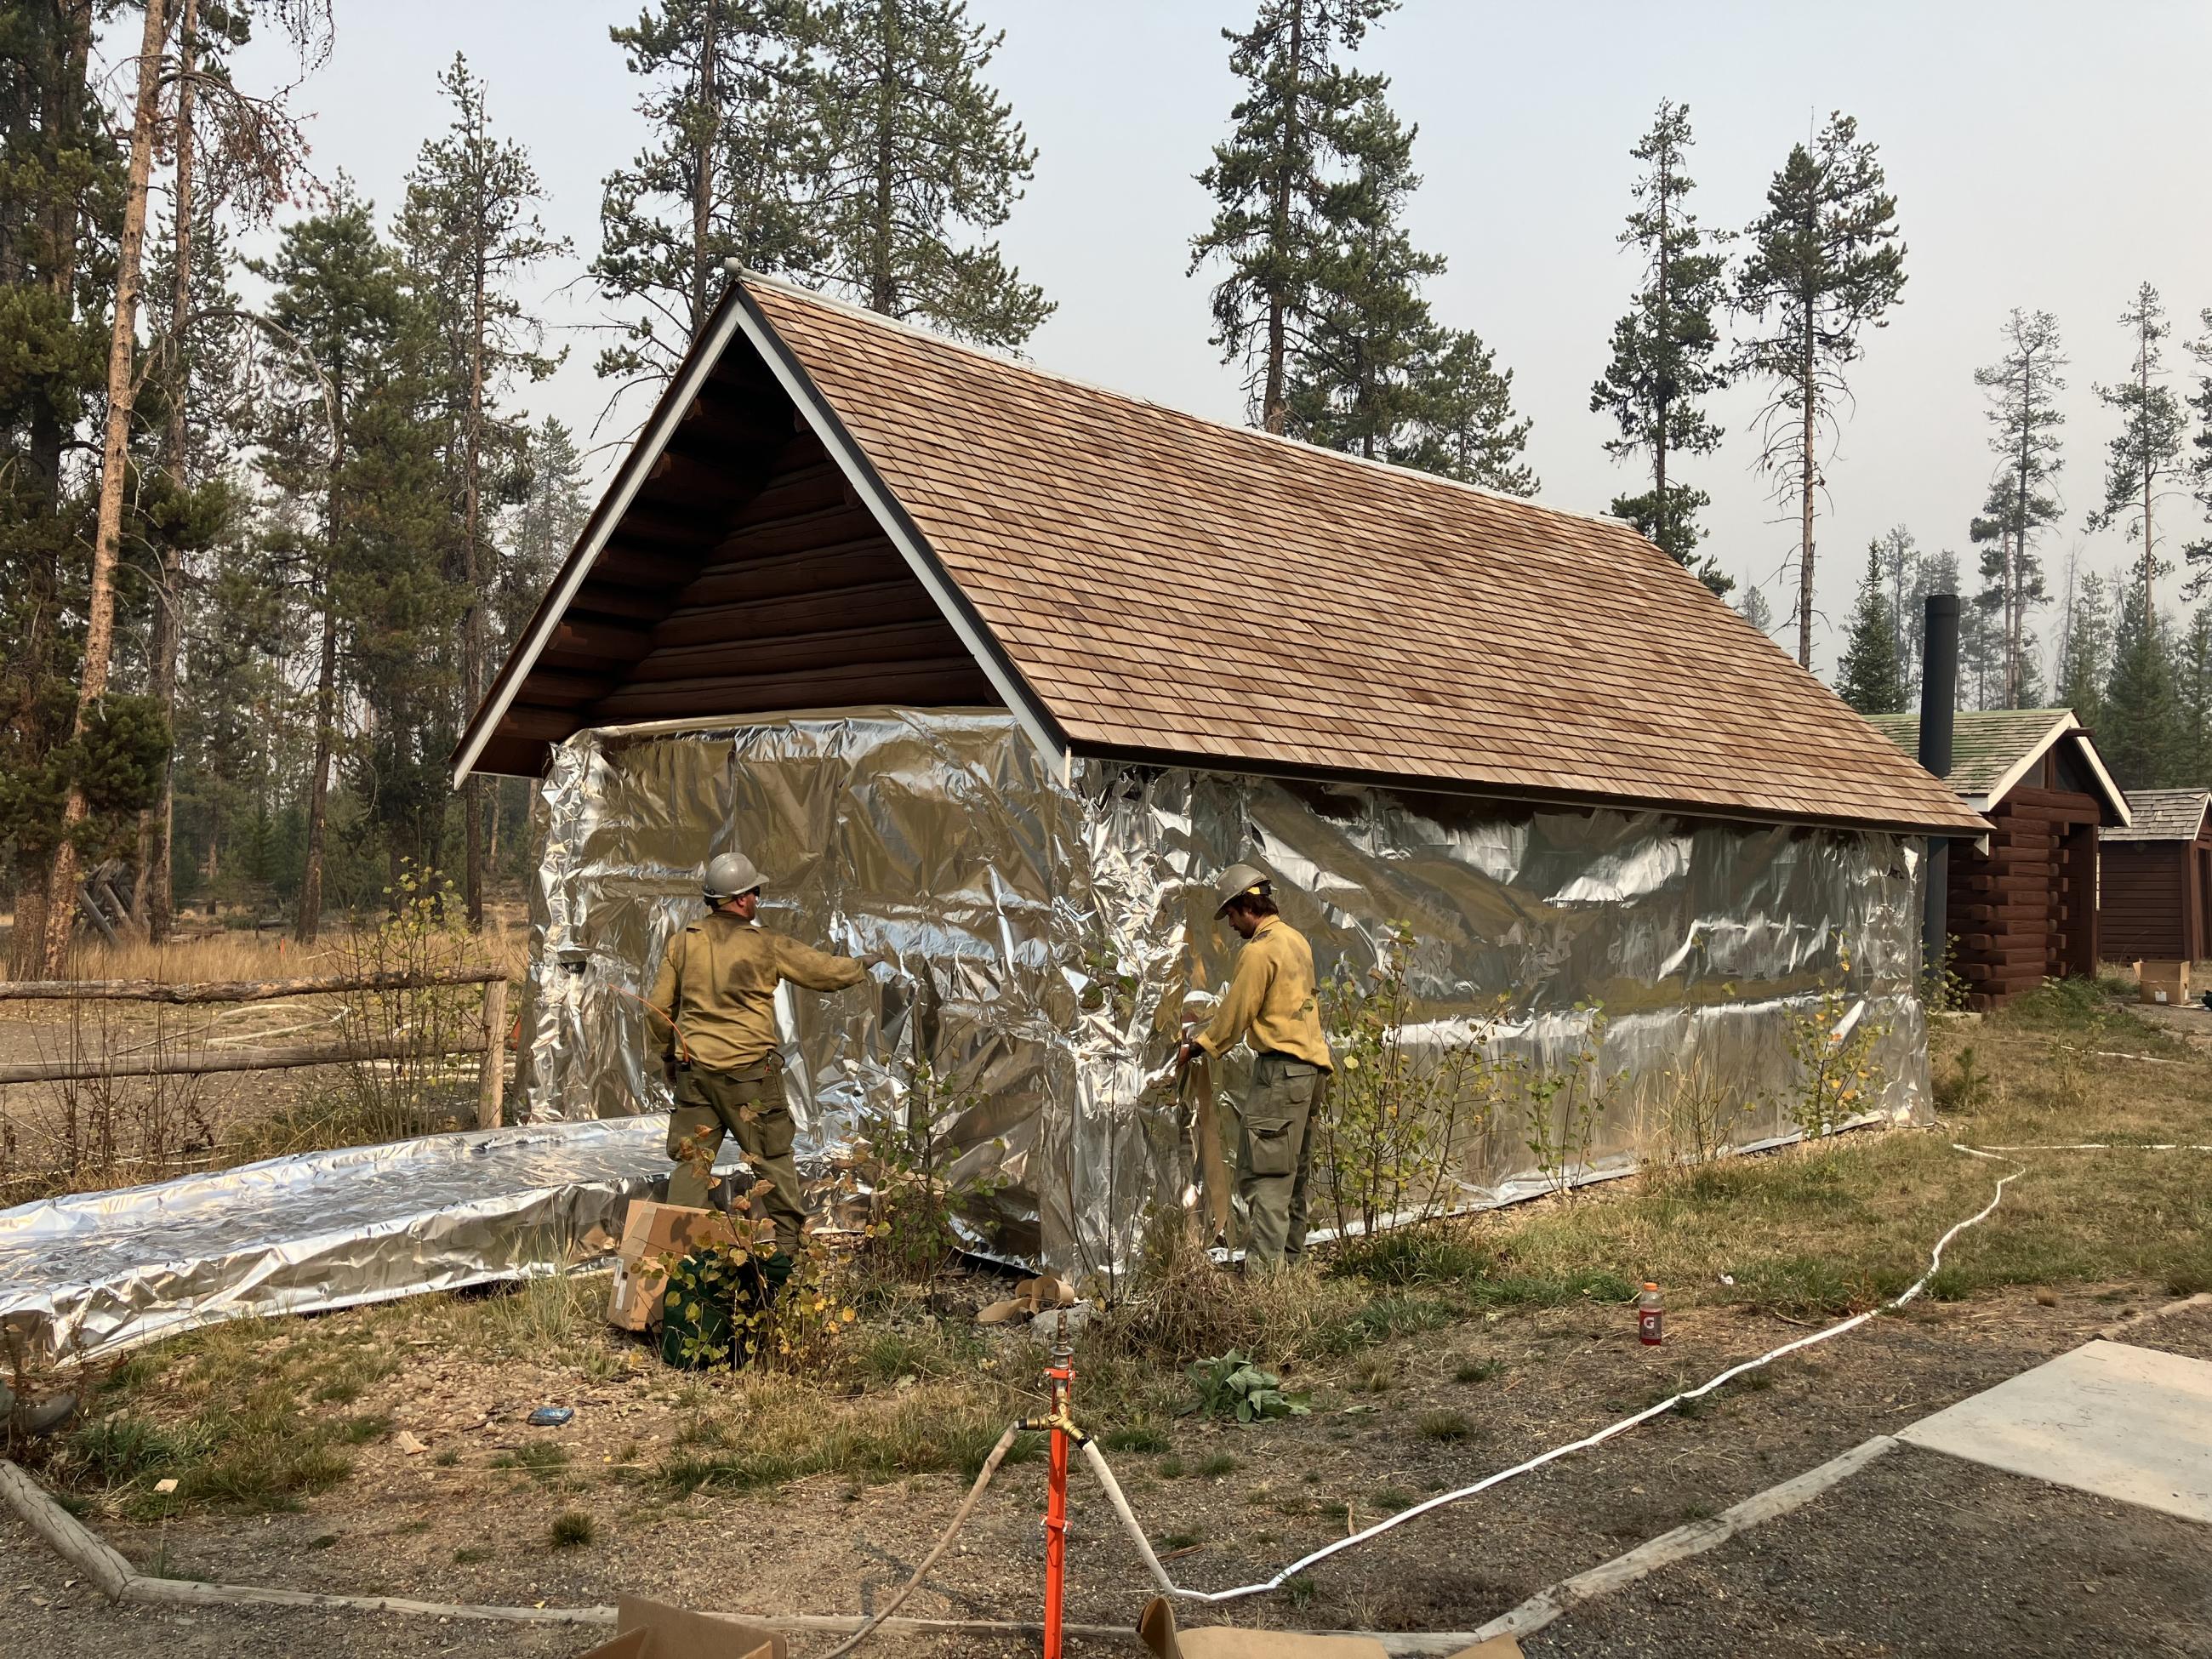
point(1935, 1264)
point(959, 1519)
point(2097, 1146)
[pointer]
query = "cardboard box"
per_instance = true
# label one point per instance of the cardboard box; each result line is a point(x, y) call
point(652, 1233)
point(653, 1630)
point(633, 1304)
point(651, 1229)
point(1156, 1628)
point(2163, 982)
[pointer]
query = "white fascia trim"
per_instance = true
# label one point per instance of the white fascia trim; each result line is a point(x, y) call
point(893, 523)
point(2071, 722)
point(628, 483)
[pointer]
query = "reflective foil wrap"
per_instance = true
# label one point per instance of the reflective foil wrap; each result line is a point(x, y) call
point(1051, 937)
point(87, 1276)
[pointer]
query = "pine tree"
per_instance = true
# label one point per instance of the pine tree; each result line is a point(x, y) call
point(2084, 663)
point(1751, 602)
point(2022, 386)
point(1355, 375)
point(1932, 573)
point(722, 178)
point(1870, 677)
point(96, 658)
point(2141, 737)
point(541, 526)
point(916, 154)
point(2196, 701)
point(2199, 553)
point(1374, 373)
point(1664, 349)
point(400, 601)
point(1464, 426)
point(1903, 570)
point(471, 234)
point(1826, 261)
point(58, 190)
point(1276, 182)
point(339, 301)
point(2145, 457)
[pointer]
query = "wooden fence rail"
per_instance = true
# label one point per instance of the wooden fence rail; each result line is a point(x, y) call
point(489, 1040)
point(232, 990)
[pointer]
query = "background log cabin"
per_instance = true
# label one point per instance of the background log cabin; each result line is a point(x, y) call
point(2023, 898)
point(2156, 902)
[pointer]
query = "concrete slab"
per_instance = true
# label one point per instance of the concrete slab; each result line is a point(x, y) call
point(2121, 1422)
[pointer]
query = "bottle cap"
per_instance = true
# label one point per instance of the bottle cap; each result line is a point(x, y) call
point(1650, 1284)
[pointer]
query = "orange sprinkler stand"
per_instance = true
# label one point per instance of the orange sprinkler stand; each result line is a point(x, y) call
point(1059, 1375)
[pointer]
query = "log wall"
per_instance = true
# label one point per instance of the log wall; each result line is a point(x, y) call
point(2025, 911)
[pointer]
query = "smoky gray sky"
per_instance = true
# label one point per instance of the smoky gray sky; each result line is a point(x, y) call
point(2044, 156)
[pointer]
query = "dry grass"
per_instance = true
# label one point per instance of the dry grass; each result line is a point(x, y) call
point(106, 1131)
point(253, 1414)
point(243, 954)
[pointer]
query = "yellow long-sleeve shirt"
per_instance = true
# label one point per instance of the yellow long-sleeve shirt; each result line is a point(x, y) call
point(1272, 999)
point(717, 987)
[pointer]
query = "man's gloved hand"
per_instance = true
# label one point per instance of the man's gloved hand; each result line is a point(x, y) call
point(882, 957)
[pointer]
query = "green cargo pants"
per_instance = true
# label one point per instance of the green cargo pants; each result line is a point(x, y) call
point(748, 1104)
point(1274, 1150)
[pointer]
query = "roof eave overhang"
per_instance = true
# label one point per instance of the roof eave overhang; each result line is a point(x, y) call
point(1524, 795)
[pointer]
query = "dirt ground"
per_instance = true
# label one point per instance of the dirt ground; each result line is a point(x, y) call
point(2027, 1569)
point(827, 1545)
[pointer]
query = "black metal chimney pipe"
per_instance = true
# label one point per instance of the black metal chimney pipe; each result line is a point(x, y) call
point(1939, 700)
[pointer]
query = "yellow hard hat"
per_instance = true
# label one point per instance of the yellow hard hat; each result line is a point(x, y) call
point(1236, 881)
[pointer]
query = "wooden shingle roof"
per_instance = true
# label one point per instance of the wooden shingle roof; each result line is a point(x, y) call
point(2164, 815)
point(1147, 585)
point(1994, 750)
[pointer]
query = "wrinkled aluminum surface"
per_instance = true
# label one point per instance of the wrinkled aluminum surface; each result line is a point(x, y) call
point(1051, 937)
point(88, 1276)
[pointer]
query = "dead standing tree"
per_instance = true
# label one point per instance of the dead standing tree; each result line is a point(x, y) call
point(1825, 265)
point(260, 151)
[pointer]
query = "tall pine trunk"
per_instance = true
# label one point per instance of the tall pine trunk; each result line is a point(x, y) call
point(703, 168)
point(882, 291)
point(309, 920)
point(1811, 482)
point(152, 901)
point(1666, 340)
point(115, 457)
point(472, 623)
point(1274, 409)
point(61, 226)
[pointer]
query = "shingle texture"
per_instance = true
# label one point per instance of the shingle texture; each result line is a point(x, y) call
point(1986, 743)
point(1166, 585)
point(2164, 815)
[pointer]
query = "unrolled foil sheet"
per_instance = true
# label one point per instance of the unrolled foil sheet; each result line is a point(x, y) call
point(85, 1277)
point(1052, 936)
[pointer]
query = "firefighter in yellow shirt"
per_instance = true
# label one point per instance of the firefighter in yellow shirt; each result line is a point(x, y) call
point(716, 999)
point(1272, 1001)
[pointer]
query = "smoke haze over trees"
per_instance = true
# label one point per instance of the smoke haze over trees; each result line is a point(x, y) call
point(250, 602)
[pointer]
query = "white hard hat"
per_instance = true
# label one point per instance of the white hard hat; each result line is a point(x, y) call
point(729, 875)
point(1236, 881)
